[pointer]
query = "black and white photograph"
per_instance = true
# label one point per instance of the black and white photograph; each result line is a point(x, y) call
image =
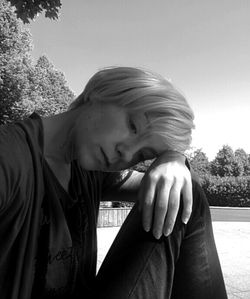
point(124, 149)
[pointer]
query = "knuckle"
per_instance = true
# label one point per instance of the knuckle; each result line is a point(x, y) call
point(161, 208)
point(153, 176)
point(173, 204)
point(167, 180)
point(175, 194)
point(147, 203)
point(176, 187)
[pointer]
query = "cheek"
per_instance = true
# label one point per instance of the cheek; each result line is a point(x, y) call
point(100, 125)
point(88, 157)
point(113, 120)
point(109, 129)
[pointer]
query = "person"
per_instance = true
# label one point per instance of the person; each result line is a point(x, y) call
point(55, 170)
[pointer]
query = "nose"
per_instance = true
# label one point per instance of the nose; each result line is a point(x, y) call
point(126, 150)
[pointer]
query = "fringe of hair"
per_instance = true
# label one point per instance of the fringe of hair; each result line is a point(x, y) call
point(169, 113)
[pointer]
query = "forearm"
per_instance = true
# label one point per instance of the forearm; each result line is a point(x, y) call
point(128, 191)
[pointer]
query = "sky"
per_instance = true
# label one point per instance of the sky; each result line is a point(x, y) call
point(202, 46)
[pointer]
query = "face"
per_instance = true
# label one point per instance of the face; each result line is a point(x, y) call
point(109, 138)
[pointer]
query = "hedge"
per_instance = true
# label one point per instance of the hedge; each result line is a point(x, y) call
point(227, 191)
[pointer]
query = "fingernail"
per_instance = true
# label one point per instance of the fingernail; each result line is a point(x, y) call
point(157, 235)
point(167, 232)
point(146, 228)
point(185, 220)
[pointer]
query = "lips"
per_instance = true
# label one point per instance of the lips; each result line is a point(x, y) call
point(105, 158)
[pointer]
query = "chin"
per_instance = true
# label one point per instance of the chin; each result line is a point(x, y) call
point(87, 164)
point(92, 165)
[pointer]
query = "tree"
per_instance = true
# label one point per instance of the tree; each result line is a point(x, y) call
point(26, 86)
point(15, 58)
point(48, 93)
point(225, 163)
point(27, 10)
point(243, 158)
point(199, 162)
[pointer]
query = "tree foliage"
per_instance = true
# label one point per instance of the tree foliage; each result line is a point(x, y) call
point(244, 159)
point(226, 164)
point(26, 86)
point(15, 49)
point(199, 162)
point(27, 10)
point(48, 93)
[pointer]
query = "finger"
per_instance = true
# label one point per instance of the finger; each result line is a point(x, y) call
point(160, 208)
point(173, 208)
point(147, 203)
point(141, 196)
point(187, 201)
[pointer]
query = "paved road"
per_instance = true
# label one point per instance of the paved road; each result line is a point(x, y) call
point(230, 214)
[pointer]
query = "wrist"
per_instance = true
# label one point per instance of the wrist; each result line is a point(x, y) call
point(175, 155)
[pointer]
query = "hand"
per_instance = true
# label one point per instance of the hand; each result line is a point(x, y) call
point(159, 194)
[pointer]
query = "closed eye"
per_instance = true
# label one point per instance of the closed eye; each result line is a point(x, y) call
point(142, 157)
point(132, 126)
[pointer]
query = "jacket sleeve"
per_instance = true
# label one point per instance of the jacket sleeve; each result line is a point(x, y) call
point(10, 176)
point(5, 183)
point(5, 171)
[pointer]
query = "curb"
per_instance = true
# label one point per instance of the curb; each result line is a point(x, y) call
point(229, 208)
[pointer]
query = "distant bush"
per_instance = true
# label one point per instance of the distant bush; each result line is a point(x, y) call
point(143, 166)
point(227, 191)
point(122, 204)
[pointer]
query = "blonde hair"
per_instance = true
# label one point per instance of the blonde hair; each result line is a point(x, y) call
point(139, 90)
